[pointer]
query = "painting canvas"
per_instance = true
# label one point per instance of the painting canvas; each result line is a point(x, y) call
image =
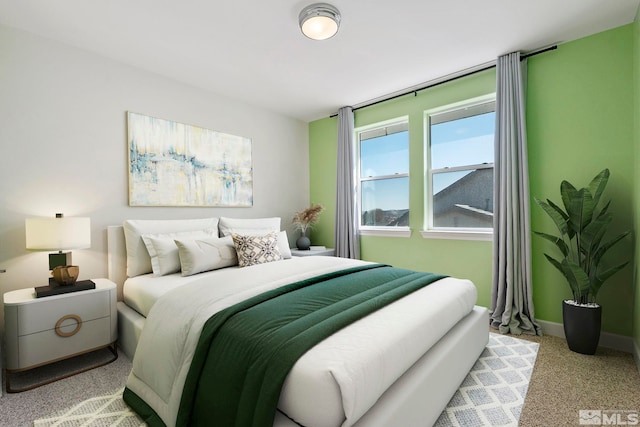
point(174, 164)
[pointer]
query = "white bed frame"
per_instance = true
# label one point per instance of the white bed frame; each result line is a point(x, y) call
point(417, 398)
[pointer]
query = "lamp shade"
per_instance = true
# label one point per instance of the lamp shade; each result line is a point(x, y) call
point(57, 234)
point(319, 21)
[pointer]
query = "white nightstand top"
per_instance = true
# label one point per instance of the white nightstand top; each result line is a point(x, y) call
point(314, 252)
point(28, 295)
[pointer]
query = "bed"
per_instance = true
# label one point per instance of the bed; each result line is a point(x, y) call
point(370, 373)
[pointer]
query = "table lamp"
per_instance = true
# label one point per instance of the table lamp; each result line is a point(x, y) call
point(58, 234)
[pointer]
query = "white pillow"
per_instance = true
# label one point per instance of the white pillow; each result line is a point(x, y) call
point(198, 255)
point(138, 259)
point(164, 252)
point(253, 250)
point(252, 227)
point(283, 245)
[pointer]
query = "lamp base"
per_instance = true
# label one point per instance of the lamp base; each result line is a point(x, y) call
point(59, 259)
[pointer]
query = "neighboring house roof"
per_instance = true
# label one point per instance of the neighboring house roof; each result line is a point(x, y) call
point(401, 221)
point(467, 202)
point(476, 210)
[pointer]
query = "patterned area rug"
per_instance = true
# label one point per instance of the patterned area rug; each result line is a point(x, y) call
point(491, 395)
point(100, 411)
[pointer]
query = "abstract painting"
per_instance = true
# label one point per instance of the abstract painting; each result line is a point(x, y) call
point(174, 164)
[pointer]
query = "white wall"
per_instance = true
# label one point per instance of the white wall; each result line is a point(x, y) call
point(63, 140)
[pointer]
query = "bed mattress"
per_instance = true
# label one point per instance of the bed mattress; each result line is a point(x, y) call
point(334, 383)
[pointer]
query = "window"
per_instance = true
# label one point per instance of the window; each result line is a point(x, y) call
point(383, 175)
point(459, 185)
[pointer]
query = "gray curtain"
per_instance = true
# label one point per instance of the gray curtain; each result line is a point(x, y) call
point(347, 241)
point(512, 302)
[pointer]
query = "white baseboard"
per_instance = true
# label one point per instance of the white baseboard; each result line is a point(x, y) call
point(636, 354)
point(608, 340)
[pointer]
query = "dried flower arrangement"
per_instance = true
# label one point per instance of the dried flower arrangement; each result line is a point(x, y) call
point(304, 219)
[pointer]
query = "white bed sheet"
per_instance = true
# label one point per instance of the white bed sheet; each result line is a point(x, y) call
point(319, 391)
point(141, 292)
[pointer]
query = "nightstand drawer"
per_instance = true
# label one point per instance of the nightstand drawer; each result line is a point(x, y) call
point(47, 346)
point(43, 314)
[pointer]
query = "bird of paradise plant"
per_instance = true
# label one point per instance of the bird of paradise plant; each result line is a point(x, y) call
point(582, 227)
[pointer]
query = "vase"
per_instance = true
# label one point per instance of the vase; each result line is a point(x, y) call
point(65, 275)
point(582, 326)
point(303, 243)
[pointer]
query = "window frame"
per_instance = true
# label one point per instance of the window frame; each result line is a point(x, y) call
point(455, 233)
point(368, 230)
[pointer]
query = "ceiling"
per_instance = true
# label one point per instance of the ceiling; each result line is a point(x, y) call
point(253, 50)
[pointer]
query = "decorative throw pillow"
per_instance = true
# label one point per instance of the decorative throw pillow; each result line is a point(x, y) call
point(198, 255)
point(254, 250)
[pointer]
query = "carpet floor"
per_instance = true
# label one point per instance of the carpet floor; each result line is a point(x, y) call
point(20, 409)
point(563, 383)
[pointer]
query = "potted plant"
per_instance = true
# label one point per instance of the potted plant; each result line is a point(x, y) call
point(303, 220)
point(582, 226)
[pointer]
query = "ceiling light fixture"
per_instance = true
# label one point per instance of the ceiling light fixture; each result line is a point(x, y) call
point(319, 21)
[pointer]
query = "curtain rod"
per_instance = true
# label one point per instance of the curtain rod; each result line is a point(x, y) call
point(446, 79)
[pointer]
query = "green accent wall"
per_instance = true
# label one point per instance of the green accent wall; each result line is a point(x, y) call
point(580, 120)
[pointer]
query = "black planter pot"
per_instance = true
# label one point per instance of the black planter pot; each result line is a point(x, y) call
point(582, 327)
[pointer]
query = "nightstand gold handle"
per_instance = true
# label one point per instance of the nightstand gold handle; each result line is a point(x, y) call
point(62, 319)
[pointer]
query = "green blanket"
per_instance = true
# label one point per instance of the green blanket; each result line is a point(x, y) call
point(246, 351)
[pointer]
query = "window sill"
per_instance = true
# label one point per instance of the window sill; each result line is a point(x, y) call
point(386, 231)
point(458, 235)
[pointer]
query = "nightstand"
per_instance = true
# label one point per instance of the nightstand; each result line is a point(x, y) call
point(314, 252)
point(39, 331)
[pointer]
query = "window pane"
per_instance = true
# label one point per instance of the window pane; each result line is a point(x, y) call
point(461, 142)
point(385, 202)
point(385, 155)
point(463, 199)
